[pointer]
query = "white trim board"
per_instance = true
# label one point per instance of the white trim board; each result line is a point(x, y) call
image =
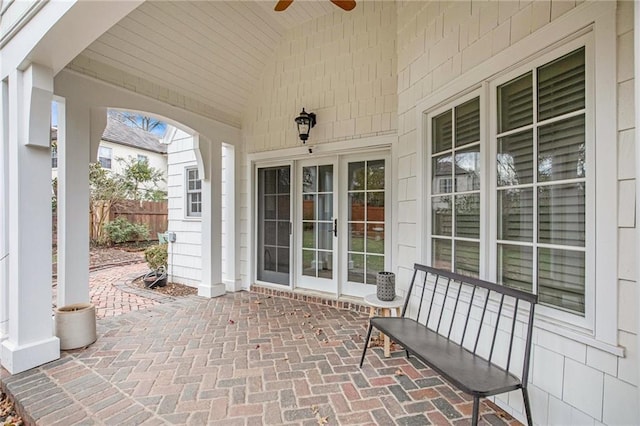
point(288, 156)
point(330, 148)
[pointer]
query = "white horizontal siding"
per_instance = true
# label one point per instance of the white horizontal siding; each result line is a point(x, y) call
point(185, 253)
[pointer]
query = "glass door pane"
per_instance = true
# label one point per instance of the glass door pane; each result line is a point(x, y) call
point(315, 251)
point(274, 224)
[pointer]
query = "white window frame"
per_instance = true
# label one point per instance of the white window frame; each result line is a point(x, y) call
point(54, 156)
point(104, 150)
point(143, 158)
point(598, 20)
point(188, 213)
point(585, 322)
point(453, 103)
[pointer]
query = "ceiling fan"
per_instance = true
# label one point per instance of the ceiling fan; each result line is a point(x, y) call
point(342, 4)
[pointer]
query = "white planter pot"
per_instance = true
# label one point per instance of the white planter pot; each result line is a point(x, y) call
point(76, 325)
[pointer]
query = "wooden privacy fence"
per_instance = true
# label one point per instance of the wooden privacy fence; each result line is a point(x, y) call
point(153, 214)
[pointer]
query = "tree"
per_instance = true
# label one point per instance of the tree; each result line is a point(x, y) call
point(105, 192)
point(148, 124)
point(139, 181)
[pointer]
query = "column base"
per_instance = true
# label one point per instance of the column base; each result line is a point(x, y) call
point(213, 290)
point(233, 285)
point(16, 359)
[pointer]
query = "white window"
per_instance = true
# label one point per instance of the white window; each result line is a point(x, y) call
point(194, 192)
point(455, 177)
point(143, 159)
point(524, 193)
point(104, 156)
point(542, 181)
point(54, 156)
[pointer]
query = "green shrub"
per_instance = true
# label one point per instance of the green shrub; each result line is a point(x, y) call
point(121, 231)
point(156, 256)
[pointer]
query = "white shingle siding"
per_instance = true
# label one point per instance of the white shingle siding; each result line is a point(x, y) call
point(346, 76)
point(187, 250)
point(185, 254)
point(572, 382)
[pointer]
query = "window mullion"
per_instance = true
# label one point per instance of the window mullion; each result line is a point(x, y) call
point(534, 287)
point(453, 189)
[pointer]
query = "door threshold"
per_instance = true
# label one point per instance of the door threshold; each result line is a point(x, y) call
point(350, 303)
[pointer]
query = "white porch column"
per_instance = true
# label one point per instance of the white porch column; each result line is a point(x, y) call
point(636, 75)
point(30, 340)
point(211, 155)
point(232, 220)
point(4, 206)
point(73, 203)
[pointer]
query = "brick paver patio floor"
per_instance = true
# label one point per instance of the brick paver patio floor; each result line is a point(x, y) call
point(240, 359)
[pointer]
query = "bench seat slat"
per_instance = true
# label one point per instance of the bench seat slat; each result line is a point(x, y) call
point(468, 372)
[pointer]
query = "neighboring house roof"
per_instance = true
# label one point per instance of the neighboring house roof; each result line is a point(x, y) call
point(119, 132)
point(122, 134)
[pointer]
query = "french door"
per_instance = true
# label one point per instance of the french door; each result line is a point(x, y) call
point(342, 217)
point(274, 224)
point(317, 227)
point(365, 203)
point(322, 224)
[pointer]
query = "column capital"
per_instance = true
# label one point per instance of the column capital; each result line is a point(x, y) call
point(37, 92)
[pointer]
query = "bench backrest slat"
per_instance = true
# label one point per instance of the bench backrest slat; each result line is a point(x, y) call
point(513, 332)
point(527, 347)
point(410, 290)
point(446, 293)
point(433, 296)
point(455, 309)
point(495, 330)
point(484, 310)
point(484, 341)
point(466, 321)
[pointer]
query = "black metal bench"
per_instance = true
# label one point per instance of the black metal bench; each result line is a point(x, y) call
point(456, 336)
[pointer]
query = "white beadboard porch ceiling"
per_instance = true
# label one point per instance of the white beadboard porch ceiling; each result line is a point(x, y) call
point(210, 51)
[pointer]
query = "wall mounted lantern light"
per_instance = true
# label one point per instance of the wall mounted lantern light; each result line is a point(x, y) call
point(305, 121)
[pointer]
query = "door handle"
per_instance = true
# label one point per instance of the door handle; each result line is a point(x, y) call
point(335, 227)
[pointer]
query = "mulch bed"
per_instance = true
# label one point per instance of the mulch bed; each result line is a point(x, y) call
point(106, 257)
point(101, 256)
point(8, 416)
point(171, 289)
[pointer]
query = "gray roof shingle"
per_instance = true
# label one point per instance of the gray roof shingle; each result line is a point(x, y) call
point(123, 134)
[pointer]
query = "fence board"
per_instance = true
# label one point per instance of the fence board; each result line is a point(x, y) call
point(153, 214)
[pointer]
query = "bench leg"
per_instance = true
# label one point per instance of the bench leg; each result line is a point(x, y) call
point(372, 313)
point(387, 342)
point(527, 406)
point(476, 408)
point(366, 344)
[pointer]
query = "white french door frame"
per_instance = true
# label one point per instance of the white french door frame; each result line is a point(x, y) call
point(290, 156)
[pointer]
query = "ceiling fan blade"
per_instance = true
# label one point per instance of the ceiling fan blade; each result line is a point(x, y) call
point(345, 4)
point(282, 5)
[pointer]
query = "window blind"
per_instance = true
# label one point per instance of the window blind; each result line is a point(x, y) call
point(551, 201)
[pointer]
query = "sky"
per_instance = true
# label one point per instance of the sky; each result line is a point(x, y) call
point(54, 114)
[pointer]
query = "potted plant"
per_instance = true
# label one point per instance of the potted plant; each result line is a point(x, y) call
point(156, 257)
